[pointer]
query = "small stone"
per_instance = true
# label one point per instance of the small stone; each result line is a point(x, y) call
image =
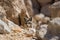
point(44, 2)
point(56, 21)
point(55, 9)
point(39, 16)
point(45, 20)
point(54, 38)
point(43, 30)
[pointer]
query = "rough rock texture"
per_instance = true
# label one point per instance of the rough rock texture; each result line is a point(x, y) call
point(37, 9)
point(45, 10)
point(29, 7)
point(44, 2)
point(13, 9)
point(29, 20)
point(55, 9)
point(57, 0)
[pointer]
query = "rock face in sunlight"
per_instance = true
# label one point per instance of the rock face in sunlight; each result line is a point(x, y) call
point(55, 9)
point(43, 30)
point(45, 10)
point(29, 7)
point(13, 9)
point(44, 2)
point(56, 21)
point(4, 27)
point(8, 27)
point(29, 20)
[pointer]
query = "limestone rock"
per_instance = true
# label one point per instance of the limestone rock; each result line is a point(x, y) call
point(52, 31)
point(55, 38)
point(44, 2)
point(56, 21)
point(29, 7)
point(43, 30)
point(39, 16)
point(35, 3)
point(8, 27)
point(4, 27)
point(45, 10)
point(57, 0)
point(13, 9)
point(14, 27)
point(55, 9)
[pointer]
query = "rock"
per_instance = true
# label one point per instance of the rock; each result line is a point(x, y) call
point(45, 20)
point(8, 27)
point(52, 31)
point(11, 18)
point(55, 38)
point(39, 16)
point(3, 22)
point(2, 12)
point(44, 2)
point(10, 11)
point(43, 30)
point(56, 21)
point(14, 27)
point(57, 0)
point(29, 6)
point(30, 32)
point(4, 27)
point(45, 10)
point(13, 9)
point(18, 7)
point(37, 20)
point(35, 3)
point(55, 9)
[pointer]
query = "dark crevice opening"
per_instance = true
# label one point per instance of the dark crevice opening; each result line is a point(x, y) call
point(19, 19)
point(52, 1)
point(36, 6)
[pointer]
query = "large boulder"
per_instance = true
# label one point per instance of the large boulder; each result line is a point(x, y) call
point(45, 10)
point(55, 9)
point(57, 0)
point(13, 9)
point(53, 29)
point(8, 27)
point(29, 7)
point(4, 27)
point(44, 2)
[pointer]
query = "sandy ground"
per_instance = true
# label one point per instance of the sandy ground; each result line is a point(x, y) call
point(14, 36)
